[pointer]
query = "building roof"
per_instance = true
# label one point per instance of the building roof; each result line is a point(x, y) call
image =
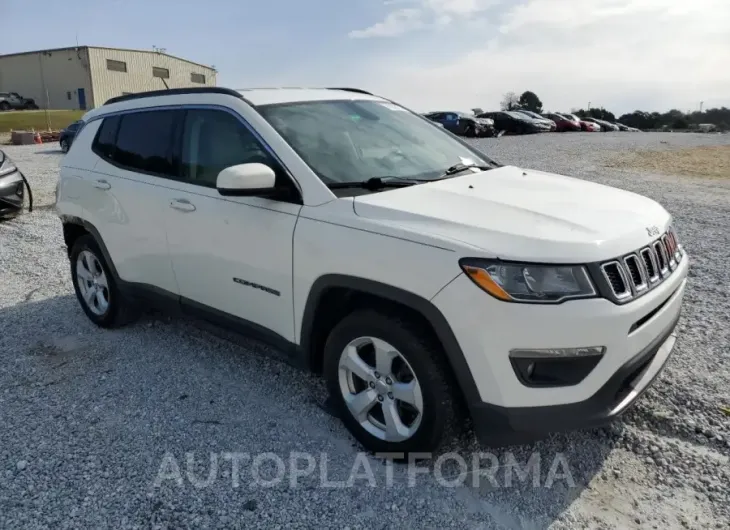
point(107, 48)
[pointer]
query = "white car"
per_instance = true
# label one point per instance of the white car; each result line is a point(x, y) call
point(427, 282)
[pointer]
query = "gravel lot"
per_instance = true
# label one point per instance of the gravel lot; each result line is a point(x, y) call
point(87, 416)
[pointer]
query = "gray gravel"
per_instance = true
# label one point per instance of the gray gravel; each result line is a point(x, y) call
point(90, 418)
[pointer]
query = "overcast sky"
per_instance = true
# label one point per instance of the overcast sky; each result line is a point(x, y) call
point(427, 54)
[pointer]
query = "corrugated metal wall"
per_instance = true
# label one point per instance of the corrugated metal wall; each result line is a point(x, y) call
point(59, 72)
point(138, 77)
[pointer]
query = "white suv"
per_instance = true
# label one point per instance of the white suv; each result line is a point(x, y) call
point(428, 283)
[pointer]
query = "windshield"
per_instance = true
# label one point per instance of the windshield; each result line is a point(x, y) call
point(353, 141)
point(516, 115)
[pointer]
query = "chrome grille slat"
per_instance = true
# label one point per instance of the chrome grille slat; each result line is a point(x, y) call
point(633, 274)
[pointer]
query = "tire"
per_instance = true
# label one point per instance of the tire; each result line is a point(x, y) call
point(4, 105)
point(118, 310)
point(471, 131)
point(64, 146)
point(425, 362)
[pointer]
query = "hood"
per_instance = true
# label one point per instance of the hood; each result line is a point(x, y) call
point(485, 121)
point(517, 214)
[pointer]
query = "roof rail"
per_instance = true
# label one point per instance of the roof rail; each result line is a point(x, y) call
point(356, 90)
point(174, 92)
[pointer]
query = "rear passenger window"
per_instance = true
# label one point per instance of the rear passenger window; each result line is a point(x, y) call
point(144, 142)
point(106, 136)
point(213, 140)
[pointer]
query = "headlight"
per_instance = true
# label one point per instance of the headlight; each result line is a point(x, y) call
point(529, 283)
point(6, 166)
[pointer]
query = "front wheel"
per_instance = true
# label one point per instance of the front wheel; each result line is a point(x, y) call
point(64, 146)
point(4, 105)
point(388, 383)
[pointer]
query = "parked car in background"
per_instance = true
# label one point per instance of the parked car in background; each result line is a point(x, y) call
point(587, 126)
point(12, 190)
point(535, 116)
point(515, 123)
point(462, 124)
point(563, 123)
point(604, 125)
point(621, 126)
point(14, 101)
point(67, 135)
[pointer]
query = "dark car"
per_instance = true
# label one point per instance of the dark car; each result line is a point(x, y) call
point(563, 123)
point(515, 123)
point(535, 116)
point(621, 126)
point(12, 190)
point(68, 134)
point(462, 124)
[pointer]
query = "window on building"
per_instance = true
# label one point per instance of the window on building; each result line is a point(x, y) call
point(160, 72)
point(116, 66)
point(197, 78)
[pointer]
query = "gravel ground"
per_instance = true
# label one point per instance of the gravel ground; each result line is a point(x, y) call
point(98, 426)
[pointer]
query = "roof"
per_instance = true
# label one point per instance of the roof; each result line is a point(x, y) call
point(255, 96)
point(271, 96)
point(106, 48)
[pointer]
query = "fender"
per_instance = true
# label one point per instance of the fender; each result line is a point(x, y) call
point(430, 312)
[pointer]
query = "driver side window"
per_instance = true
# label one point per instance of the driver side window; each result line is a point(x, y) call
point(213, 140)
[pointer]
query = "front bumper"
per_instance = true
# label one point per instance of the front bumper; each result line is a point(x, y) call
point(495, 425)
point(12, 193)
point(637, 335)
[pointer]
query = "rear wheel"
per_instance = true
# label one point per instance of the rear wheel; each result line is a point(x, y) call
point(95, 286)
point(388, 383)
point(64, 145)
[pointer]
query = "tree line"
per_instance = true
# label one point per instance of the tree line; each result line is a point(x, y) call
point(673, 119)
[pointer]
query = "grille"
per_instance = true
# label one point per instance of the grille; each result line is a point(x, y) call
point(635, 273)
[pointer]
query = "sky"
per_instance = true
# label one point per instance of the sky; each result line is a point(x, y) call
point(426, 54)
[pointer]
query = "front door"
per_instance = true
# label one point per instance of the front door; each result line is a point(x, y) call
point(230, 254)
point(82, 98)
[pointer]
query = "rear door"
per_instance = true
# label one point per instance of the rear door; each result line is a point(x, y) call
point(125, 196)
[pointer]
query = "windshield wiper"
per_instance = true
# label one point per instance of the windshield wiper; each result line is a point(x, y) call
point(375, 183)
point(458, 168)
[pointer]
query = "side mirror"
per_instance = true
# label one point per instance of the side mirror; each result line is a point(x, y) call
point(244, 180)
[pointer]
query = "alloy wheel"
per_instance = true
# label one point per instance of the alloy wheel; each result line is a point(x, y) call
point(92, 282)
point(380, 389)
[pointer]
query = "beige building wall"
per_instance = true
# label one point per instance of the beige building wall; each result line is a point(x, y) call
point(108, 83)
point(56, 79)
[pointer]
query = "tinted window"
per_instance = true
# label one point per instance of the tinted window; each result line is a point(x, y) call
point(213, 140)
point(104, 143)
point(144, 141)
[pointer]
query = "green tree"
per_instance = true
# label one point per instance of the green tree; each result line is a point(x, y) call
point(529, 101)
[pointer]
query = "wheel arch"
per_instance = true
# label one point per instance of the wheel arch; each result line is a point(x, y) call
point(333, 296)
point(75, 227)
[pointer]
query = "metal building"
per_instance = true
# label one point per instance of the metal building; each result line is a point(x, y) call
point(84, 77)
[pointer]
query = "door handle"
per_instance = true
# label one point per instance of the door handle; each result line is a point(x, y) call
point(183, 205)
point(101, 184)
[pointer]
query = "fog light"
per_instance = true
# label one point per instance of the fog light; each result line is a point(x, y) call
point(554, 367)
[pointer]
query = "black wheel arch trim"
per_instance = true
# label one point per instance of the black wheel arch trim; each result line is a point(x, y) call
point(73, 220)
point(452, 349)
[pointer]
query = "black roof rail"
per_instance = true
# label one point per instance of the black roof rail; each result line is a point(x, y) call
point(175, 91)
point(356, 90)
